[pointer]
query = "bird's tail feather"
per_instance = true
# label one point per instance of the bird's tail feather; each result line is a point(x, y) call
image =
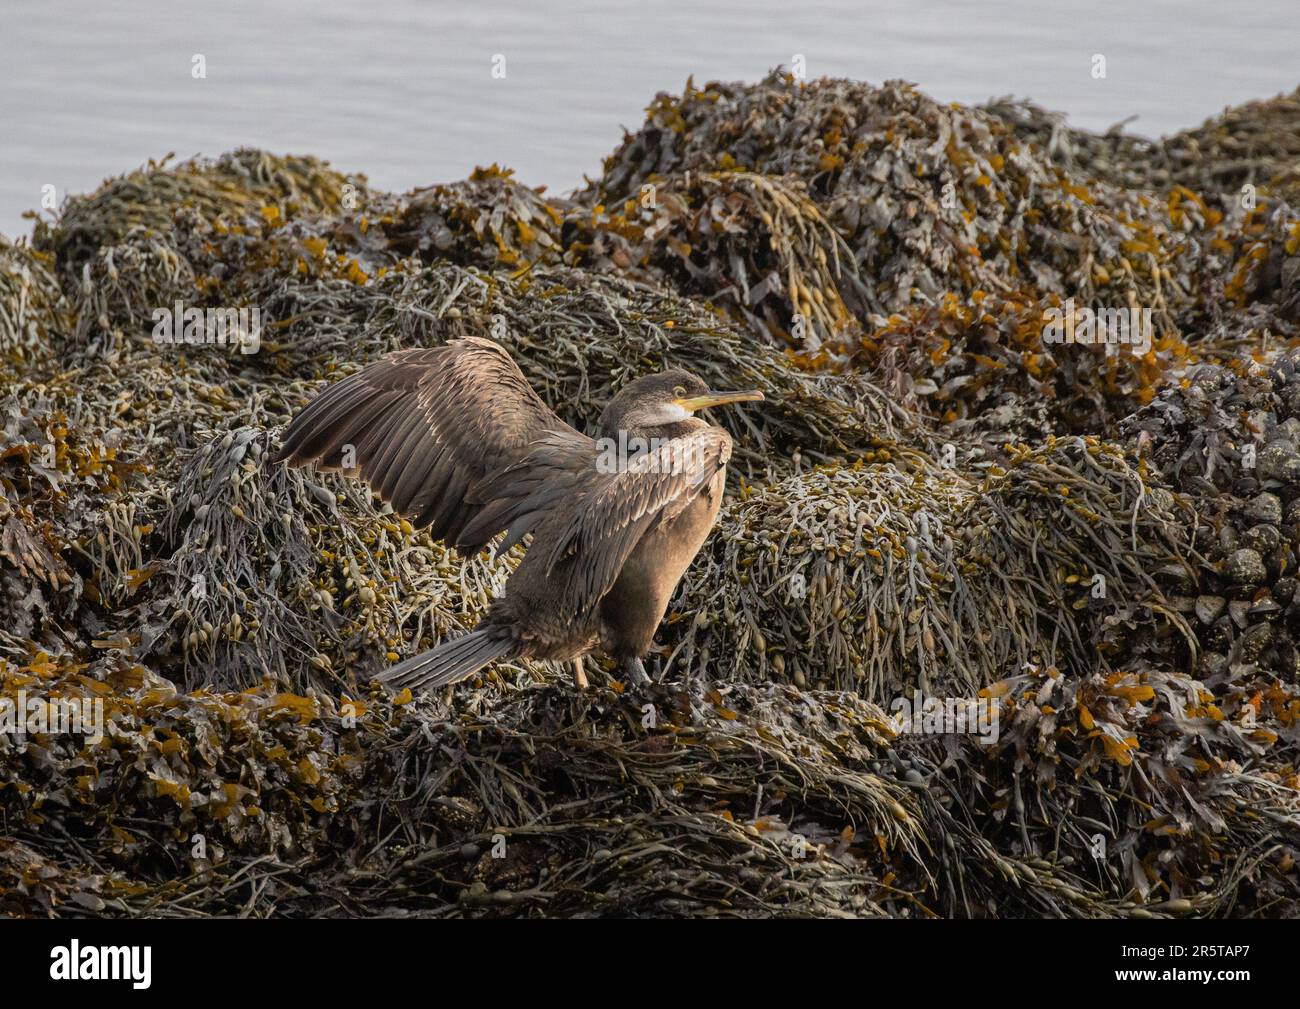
point(450, 662)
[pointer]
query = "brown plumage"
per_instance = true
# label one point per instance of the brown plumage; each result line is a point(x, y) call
point(453, 438)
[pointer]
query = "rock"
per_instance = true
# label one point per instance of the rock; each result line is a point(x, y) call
point(1291, 399)
point(1244, 567)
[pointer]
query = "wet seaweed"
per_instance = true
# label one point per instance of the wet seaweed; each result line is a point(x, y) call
point(1099, 548)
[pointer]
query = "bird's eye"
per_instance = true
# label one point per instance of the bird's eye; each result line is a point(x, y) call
point(679, 391)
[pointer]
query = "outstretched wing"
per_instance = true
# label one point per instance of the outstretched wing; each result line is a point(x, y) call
point(560, 466)
point(423, 427)
point(616, 510)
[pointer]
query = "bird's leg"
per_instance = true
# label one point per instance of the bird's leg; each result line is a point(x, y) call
point(665, 654)
point(579, 674)
point(634, 670)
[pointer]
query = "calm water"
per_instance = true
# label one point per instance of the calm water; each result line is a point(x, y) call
point(403, 89)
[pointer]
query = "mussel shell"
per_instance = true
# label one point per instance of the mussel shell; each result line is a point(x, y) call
point(1277, 460)
point(1267, 609)
point(1263, 507)
point(1263, 539)
point(1254, 641)
point(1210, 608)
point(1244, 567)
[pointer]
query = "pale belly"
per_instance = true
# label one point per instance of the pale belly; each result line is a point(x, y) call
point(633, 609)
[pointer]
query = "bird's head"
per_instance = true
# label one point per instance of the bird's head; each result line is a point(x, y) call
point(662, 400)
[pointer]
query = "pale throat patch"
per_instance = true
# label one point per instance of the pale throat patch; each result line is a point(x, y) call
point(669, 413)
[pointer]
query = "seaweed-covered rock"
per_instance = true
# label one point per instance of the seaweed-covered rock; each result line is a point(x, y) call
point(930, 198)
point(122, 251)
point(1256, 143)
point(883, 576)
point(955, 234)
point(752, 243)
point(906, 516)
point(489, 220)
point(32, 306)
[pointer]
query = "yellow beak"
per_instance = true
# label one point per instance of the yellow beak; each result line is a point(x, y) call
point(693, 403)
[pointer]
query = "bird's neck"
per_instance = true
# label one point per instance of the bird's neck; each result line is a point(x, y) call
point(659, 432)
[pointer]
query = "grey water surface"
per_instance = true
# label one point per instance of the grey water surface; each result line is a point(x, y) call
point(404, 91)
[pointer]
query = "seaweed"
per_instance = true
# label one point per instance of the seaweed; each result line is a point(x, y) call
point(1098, 549)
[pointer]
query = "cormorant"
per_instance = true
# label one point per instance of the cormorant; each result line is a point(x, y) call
point(454, 438)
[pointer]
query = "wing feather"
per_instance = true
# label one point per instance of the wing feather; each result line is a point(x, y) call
point(611, 519)
point(427, 426)
point(612, 512)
